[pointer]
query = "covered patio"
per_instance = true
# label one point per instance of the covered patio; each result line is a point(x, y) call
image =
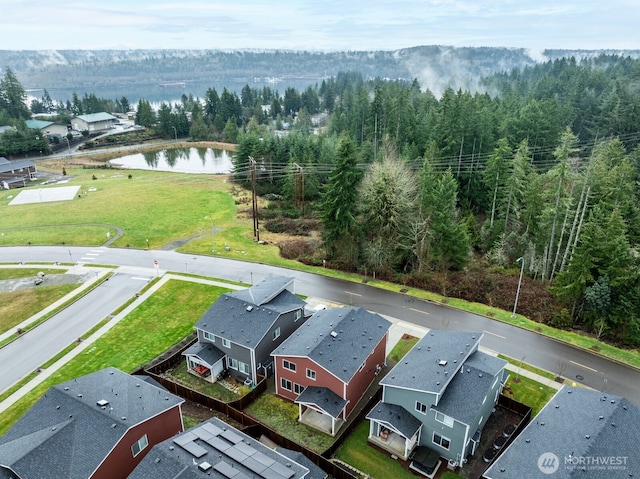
point(393, 429)
point(205, 361)
point(321, 409)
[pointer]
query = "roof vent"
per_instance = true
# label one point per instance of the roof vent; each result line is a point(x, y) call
point(442, 362)
point(102, 402)
point(587, 436)
point(249, 308)
point(204, 466)
point(601, 417)
point(333, 334)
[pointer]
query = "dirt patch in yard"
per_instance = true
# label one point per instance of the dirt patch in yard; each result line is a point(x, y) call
point(9, 285)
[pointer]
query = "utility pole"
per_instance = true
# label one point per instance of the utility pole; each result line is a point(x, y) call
point(254, 200)
point(298, 186)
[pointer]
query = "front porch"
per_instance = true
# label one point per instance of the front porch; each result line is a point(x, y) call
point(390, 442)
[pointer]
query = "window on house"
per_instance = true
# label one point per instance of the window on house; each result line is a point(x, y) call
point(140, 445)
point(288, 365)
point(297, 388)
point(421, 407)
point(298, 315)
point(446, 420)
point(208, 336)
point(311, 374)
point(226, 343)
point(233, 363)
point(441, 441)
point(276, 334)
point(243, 367)
point(285, 384)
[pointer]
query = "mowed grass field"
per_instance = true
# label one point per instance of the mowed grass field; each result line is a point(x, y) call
point(170, 210)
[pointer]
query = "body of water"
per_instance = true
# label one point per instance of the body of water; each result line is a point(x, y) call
point(179, 160)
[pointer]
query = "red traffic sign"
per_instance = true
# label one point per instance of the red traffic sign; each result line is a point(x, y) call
point(155, 262)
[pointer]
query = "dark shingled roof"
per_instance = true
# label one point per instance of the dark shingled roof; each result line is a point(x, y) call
point(397, 417)
point(6, 165)
point(314, 471)
point(245, 316)
point(67, 434)
point(338, 339)
point(433, 361)
point(218, 448)
point(323, 398)
point(581, 428)
point(205, 351)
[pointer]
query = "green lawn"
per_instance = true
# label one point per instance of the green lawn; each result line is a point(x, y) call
point(282, 416)
point(529, 392)
point(356, 452)
point(159, 323)
point(18, 306)
point(17, 273)
point(180, 374)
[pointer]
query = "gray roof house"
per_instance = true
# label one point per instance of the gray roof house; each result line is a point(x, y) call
point(216, 450)
point(239, 331)
point(15, 174)
point(94, 122)
point(327, 365)
point(580, 433)
point(438, 398)
point(96, 426)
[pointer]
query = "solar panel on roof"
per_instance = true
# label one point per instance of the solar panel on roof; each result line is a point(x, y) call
point(271, 474)
point(246, 448)
point(215, 430)
point(253, 465)
point(218, 443)
point(282, 470)
point(184, 438)
point(236, 454)
point(226, 469)
point(231, 436)
point(202, 433)
point(263, 459)
point(194, 449)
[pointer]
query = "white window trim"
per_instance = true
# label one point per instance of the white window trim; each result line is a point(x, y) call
point(276, 333)
point(209, 336)
point(298, 315)
point(444, 419)
point(244, 368)
point(421, 408)
point(442, 439)
point(233, 363)
point(288, 365)
point(297, 388)
point(141, 444)
point(226, 343)
point(311, 374)
point(284, 382)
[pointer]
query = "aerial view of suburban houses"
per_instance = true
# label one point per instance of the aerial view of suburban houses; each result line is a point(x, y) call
point(240, 330)
point(438, 397)
point(327, 365)
point(98, 426)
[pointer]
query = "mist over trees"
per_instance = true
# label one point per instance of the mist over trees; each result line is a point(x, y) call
point(446, 191)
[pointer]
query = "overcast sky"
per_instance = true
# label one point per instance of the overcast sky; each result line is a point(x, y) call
point(318, 25)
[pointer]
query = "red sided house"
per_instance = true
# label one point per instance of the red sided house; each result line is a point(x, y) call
point(329, 362)
point(98, 426)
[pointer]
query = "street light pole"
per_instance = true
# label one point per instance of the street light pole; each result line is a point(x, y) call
point(213, 238)
point(175, 132)
point(515, 305)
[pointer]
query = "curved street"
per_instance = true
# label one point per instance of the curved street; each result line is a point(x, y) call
point(574, 364)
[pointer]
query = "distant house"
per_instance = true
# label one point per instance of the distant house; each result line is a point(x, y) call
point(98, 426)
point(241, 328)
point(16, 174)
point(217, 450)
point(579, 433)
point(94, 122)
point(439, 397)
point(327, 364)
point(48, 128)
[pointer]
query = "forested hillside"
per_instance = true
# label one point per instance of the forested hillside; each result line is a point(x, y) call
point(537, 168)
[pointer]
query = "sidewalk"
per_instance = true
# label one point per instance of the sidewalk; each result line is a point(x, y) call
point(46, 373)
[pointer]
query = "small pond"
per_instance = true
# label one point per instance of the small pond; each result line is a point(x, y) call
point(179, 160)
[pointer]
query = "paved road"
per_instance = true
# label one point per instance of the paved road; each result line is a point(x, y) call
point(33, 349)
point(594, 371)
